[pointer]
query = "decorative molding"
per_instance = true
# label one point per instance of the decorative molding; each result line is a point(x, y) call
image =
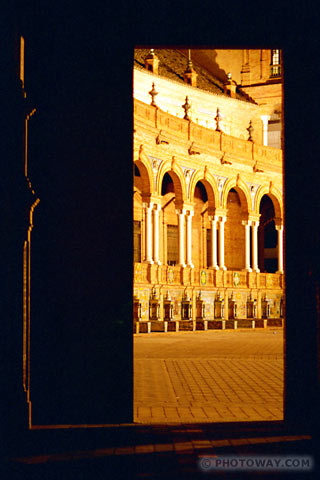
point(223, 161)
point(253, 188)
point(220, 182)
point(191, 150)
point(188, 172)
point(155, 164)
point(160, 139)
point(256, 169)
point(270, 186)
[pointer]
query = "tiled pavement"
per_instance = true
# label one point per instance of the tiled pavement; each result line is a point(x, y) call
point(217, 378)
point(212, 376)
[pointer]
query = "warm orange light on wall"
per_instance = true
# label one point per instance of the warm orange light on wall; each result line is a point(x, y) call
point(22, 60)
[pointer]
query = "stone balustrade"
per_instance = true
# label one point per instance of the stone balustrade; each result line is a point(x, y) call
point(249, 152)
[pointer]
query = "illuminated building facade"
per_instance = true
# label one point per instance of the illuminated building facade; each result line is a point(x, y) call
point(208, 189)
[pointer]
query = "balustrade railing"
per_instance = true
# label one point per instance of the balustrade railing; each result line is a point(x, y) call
point(204, 277)
point(217, 140)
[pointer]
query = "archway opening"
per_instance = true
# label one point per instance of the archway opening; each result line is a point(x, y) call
point(170, 221)
point(137, 215)
point(200, 226)
point(136, 171)
point(167, 184)
point(234, 233)
point(268, 239)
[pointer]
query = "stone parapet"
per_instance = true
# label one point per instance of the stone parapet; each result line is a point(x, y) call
point(261, 157)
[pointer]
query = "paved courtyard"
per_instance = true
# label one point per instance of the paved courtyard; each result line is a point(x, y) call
point(208, 376)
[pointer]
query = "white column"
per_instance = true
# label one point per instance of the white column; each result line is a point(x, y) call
point(247, 227)
point(265, 119)
point(279, 228)
point(255, 225)
point(189, 238)
point(181, 214)
point(148, 208)
point(221, 243)
point(214, 243)
point(156, 211)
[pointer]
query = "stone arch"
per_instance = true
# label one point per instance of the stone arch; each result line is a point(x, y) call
point(176, 173)
point(275, 196)
point(211, 188)
point(243, 192)
point(267, 236)
point(146, 173)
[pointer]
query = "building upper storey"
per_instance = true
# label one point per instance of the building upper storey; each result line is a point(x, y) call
point(255, 96)
point(258, 72)
point(205, 96)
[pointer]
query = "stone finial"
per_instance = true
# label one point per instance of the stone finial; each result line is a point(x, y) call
point(250, 131)
point(186, 108)
point(190, 75)
point(218, 118)
point(153, 93)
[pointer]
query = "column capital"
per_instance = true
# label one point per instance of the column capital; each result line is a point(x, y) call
point(278, 222)
point(190, 213)
point(279, 227)
point(213, 218)
point(157, 206)
point(150, 198)
point(254, 222)
point(220, 212)
point(147, 204)
point(265, 118)
point(253, 217)
point(180, 211)
point(185, 205)
point(246, 223)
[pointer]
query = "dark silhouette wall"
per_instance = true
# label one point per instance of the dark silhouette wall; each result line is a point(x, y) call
point(80, 165)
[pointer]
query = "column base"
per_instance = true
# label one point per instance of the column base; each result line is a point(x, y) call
point(215, 267)
point(149, 262)
point(182, 265)
point(257, 270)
point(280, 271)
point(247, 269)
point(157, 262)
point(190, 265)
point(223, 268)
